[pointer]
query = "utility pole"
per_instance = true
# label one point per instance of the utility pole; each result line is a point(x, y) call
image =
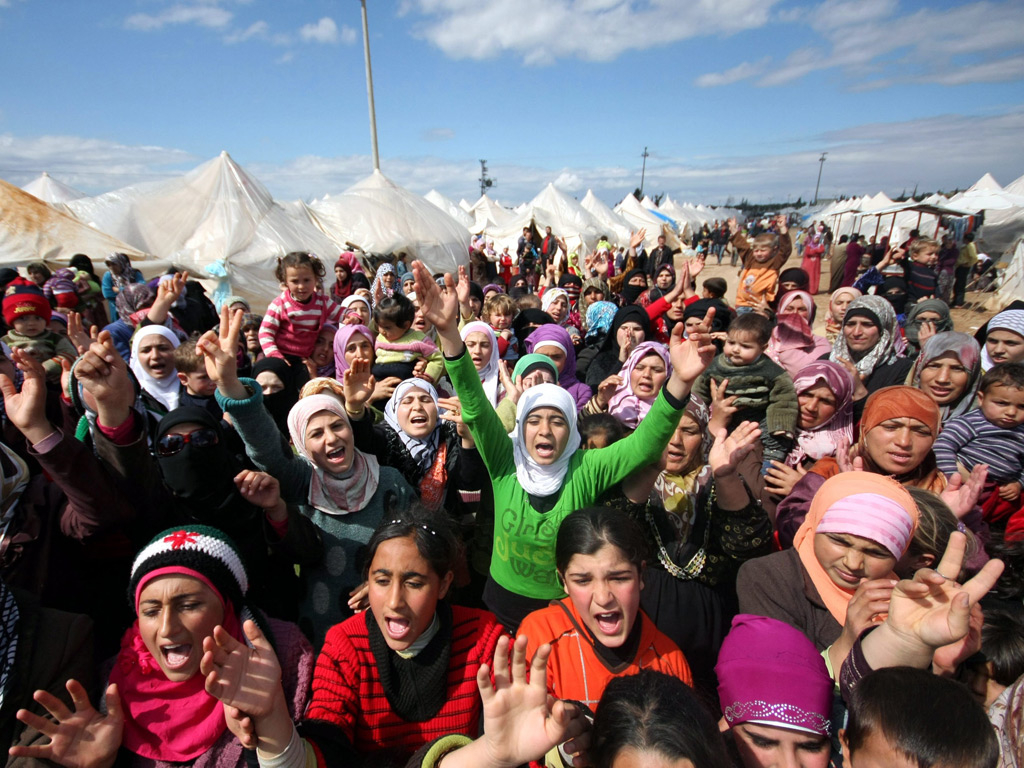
point(369, 90)
point(643, 172)
point(485, 182)
point(821, 165)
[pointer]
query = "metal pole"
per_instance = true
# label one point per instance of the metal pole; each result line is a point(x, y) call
point(643, 172)
point(821, 166)
point(369, 90)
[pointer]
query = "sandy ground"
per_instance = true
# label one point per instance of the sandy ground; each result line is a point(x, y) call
point(967, 320)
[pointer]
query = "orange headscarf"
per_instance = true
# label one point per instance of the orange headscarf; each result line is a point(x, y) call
point(834, 490)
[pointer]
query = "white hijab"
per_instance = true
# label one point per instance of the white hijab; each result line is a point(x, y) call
point(422, 449)
point(489, 375)
point(166, 389)
point(538, 479)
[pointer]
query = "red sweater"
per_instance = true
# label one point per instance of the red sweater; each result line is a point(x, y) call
point(347, 691)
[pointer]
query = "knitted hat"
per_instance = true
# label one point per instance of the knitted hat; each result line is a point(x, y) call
point(202, 549)
point(26, 301)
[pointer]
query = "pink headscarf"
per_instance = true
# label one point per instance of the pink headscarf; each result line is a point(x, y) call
point(625, 405)
point(341, 340)
point(793, 345)
point(330, 493)
point(824, 439)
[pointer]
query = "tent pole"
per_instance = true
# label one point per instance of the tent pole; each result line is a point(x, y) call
point(369, 90)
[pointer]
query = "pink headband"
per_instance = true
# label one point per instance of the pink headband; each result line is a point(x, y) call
point(870, 516)
point(175, 570)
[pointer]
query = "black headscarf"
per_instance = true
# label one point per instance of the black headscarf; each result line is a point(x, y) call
point(201, 478)
point(795, 275)
point(700, 308)
point(630, 293)
point(279, 403)
point(528, 317)
point(894, 290)
point(630, 313)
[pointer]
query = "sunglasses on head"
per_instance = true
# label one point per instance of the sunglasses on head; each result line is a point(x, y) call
point(168, 445)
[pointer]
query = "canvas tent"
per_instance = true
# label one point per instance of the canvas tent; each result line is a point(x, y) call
point(380, 217)
point(450, 207)
point(639, 217)
point(1003, 228)
point(49, 190)
point(614, 226)
point(488, 213)
point(31, 230)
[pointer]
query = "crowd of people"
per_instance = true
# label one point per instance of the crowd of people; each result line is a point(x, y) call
point(569, 510)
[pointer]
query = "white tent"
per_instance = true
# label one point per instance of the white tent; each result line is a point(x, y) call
point(615, 227)
point(381, 217)
point(31, 230)
point(216, 219)
point(639, 218)
point(49, 190)
point(489, 214)
point(1003, 228)
point(1011, 286)
point(450, 207)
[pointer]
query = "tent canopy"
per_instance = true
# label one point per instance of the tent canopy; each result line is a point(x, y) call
point(49, 190)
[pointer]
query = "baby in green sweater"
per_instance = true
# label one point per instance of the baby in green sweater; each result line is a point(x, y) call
point(764, 392)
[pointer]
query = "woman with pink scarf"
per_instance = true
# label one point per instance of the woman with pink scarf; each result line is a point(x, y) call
point(814, 249)
point(793, 345)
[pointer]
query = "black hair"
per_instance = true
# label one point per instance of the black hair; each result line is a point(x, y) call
point(1002, 643)
point(38, 266)
point(395, 309)
point(82, 262)
point(655, 712)
point(601, 423)
point(936, 523)
point(754, 324)
point(931, 720)
point(969, 237)
point(716, 286)
point(431, 530)
point(585, 531)
point(297, 259)
point(1007, 374)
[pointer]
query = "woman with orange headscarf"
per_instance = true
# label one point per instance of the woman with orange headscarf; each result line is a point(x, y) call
point(837, 579)
point(897, 432)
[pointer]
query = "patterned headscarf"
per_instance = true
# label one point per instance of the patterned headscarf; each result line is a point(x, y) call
point(422, 449)
point(881, 313)
point(1007, 320)
point(378, 284)
point(967, 352)
point(599, 320)
point(626, 405)
point(826, 438)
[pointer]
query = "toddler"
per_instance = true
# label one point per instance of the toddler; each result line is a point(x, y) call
point(761, 263)
point(399, 347)
point(922, 279)
point(196, 387)
point(293, 320)
point(993, 434)
point(764, 392)
point(499, 311)
point(27, 313)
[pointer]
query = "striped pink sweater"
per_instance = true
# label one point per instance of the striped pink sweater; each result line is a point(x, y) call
point(291, 328)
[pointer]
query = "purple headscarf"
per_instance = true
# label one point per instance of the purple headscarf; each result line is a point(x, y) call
point(825, 438)
point(625, 405)
point(555, 334)
point(341, 339)
point(770, 673)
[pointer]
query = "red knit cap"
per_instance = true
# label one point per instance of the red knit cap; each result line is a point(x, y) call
point(25, 303)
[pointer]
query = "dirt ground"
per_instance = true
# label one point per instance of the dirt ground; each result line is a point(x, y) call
point(967, 320)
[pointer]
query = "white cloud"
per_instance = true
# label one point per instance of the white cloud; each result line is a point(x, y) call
point(438, 134)
point(258, 29)
point(874, 46)
point(203, 15)
point(540, 31)
point(324, 31)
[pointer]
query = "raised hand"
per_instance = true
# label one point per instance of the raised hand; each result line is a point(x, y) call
point(453, 413)
point(521, 722)
point(607, 388)
point(84, 738)
point(691, 356)
point(462, 290)
point(513, 389)
point(848, 457)
point(220, 353)
point(637, 238)
point(729, 449)
point(962, 497)
point(441, 308)
point(780, 478)
point(259, 489)
point(104, 375)
point(695, 266)
point(27, 409)
point(77, 334)
point(359, 385)
point(383, 390)
point(248, 679)
point(870, 600)
point(723, 405)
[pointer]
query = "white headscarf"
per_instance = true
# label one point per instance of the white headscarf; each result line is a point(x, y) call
point(423, 449)
point(489, 375)
point(348, 302)
point(1007, 320)
point(166, 389)
point(538, 479)
point(549, 298)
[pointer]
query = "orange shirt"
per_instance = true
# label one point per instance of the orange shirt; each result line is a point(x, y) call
point(757, 283)
point(575, 671)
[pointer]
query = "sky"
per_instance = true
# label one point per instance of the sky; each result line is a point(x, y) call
point(732, 99)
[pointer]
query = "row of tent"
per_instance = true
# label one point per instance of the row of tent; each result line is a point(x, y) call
point(222, 224)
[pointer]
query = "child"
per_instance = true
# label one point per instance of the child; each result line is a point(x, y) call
point(27, 313)
point(993, 434)
point(901, 716)
point(293, 320)
point(714, 288)
point(922, 279)
point(196, 387)
point(599, 430)
point(761, 263)
point(764, 391)
point(499, 311)
point(398, 346)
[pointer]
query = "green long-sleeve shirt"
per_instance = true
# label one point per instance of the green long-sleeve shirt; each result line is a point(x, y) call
point(523, 555)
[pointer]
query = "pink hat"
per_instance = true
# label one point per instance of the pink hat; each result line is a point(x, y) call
point(770, 673)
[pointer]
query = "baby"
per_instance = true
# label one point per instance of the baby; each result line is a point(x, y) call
point(399, 348)
point(764, 392)
point(993, 434)
point(28, 313)
point(499, 311)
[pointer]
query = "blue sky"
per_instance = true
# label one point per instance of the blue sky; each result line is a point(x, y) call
point(733, 98)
